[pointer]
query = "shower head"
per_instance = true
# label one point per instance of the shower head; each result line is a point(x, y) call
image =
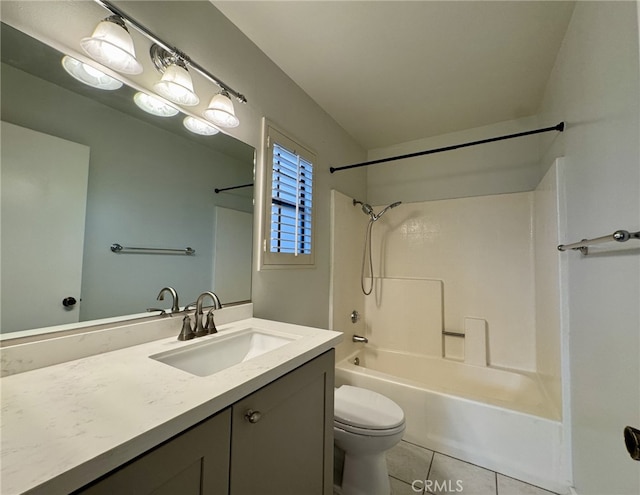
point(392, 205)
point(368, 209)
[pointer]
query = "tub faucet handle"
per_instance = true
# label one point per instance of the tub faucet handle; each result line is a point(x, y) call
point(355, 316)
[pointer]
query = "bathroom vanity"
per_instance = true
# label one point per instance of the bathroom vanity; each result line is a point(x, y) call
point(125, 420)
point(272, 441)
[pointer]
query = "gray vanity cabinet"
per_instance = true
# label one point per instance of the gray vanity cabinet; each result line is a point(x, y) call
point(282, 435)
point(278, 440)
point(195, 462)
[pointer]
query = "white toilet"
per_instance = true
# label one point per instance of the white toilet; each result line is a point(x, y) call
point(366, 424)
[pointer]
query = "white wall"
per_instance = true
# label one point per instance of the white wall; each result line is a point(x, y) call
point(347, 236)
point(548, 208)
point(481, 249)
point(405, 315)
point(198, 28)
point(594, 87)
point(437, 263)
point(493, 168)
point(474, 277)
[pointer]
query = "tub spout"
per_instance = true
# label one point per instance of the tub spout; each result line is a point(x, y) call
point(359, 338)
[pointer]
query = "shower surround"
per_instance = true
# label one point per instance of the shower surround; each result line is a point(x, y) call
point(439, 264)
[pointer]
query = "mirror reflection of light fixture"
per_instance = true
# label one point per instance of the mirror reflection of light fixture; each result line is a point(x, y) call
point(89, 75)
point(220, 111)
point(176, 84)
point(154, 105)
point(112, 46)
point(199, 126)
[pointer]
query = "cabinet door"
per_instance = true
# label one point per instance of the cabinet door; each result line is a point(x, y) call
point(286, 447)
point(195, 462)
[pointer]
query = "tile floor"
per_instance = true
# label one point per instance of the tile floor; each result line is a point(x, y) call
point(445, 475)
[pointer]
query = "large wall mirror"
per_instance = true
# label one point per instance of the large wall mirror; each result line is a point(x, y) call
point(84, 169)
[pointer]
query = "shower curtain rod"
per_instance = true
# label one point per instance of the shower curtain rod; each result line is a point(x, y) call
point(231, 188)
point(559, 127)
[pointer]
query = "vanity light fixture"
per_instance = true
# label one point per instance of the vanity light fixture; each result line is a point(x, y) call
point(111, 45)
point(220, 111)
point(199, 126)
point(154, 105)
point(89, 75)
point(176, 84)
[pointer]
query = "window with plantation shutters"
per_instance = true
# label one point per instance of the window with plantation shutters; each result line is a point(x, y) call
point(289, 208)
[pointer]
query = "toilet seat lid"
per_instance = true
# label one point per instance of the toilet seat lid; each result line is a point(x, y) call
point(366, 409)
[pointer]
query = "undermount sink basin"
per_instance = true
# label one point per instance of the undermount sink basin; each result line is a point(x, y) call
point(223, 351)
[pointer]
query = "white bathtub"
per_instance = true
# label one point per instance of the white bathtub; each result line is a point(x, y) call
point(497, 419)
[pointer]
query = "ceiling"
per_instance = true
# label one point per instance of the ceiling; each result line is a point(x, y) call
point(394, 71)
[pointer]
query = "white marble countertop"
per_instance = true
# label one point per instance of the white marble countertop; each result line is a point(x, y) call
point(64, 425)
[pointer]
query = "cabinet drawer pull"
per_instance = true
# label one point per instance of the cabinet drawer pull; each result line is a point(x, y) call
point(253, 416)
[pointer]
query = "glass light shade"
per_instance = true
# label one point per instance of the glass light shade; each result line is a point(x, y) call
point(111, 45)
point(154, 105)
point(176, 86)
point(89, 75)
point(220, 111)
point(198, 126)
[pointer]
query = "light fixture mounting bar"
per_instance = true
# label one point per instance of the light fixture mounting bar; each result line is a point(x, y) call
point(191, 63)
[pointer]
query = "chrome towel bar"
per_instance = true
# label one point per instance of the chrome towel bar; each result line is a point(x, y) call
point(583, 245)
point(117, 248)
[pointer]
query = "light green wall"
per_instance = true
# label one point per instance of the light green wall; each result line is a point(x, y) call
point(292, 295)
point(154, 190)
point(198, 28)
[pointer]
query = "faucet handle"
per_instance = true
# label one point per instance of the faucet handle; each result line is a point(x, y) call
point(187, 331)
point(153, 310)
point(210, 325)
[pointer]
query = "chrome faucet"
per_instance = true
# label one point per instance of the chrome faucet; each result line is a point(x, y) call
point(200, 330)
point(358, 338)
point(175, 307)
